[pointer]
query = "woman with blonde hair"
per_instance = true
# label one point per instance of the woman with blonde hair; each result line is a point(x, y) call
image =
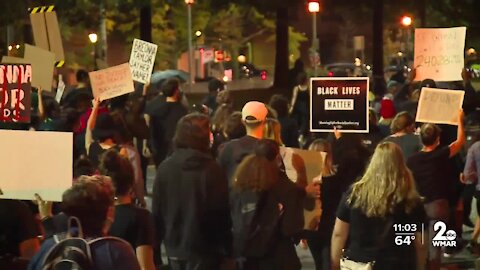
point(383, 202)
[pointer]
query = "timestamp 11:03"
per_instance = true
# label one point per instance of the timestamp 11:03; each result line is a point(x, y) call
point(406, 233)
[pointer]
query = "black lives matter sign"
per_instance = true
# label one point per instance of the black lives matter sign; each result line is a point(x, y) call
point(15, 92)
point(340, 103)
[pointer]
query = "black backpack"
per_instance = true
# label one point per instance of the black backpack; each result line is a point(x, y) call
point(69, 252)
point(256, 218)
point(73, 252)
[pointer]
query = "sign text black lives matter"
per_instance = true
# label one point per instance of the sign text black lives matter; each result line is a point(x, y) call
point(15, 91)
point(339, 102)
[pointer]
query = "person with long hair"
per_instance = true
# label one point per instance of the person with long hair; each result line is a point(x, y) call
point(386, 195)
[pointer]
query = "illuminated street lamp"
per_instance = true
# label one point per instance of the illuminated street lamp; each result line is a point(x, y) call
point(407, 23)
point(198, 33)
point(190, 45)
point(314, 8)
point(93, 39)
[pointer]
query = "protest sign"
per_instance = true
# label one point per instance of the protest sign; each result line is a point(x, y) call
point(439, 53)
point(303, 167)
point(340, 103)
point(13, 60)
point(112, 82)
point(15, 92)
point(142, 59)
point(439, 106)
point(46, 31)
point(43, 63)
point(25, 170)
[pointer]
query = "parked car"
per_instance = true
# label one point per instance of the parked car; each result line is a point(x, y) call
point(348, 70)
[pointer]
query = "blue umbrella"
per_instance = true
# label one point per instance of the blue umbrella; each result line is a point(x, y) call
point(160, 76)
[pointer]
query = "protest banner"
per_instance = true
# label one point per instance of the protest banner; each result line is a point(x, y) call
point(112, 82)
point(25, 169)
point(439, 53)
point(15, 92)
point(340, 103)
point(302, 167)
point(42, 62)
point(439, 106)
point(142, 59)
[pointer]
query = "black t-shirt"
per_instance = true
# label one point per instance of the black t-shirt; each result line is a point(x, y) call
point(430, 170)
point(134, 225)
point(365, 243)
point(17, 225)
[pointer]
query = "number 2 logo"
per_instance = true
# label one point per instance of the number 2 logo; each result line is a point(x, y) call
point(442, 234)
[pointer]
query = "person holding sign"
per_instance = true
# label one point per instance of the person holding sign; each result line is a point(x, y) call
point(430, 169)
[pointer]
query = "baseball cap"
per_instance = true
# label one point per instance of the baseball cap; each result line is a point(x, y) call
point(254, 112)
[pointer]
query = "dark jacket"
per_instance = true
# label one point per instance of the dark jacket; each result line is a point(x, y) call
point(231, 153)
point(190, 206)
point(282, 254)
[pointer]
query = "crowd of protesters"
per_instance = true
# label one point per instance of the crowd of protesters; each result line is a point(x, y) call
point(221, 196)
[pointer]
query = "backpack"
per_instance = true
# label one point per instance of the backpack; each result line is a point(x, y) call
point(256, 219)
point(72, 253)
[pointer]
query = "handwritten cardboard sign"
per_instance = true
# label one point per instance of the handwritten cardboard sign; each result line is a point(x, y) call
point(112, 82)
point(142, 59)
point(303, 167)
point(340, 103)
point(25, 170)
point(439, 53)
point(439, 106)
point(15, 92)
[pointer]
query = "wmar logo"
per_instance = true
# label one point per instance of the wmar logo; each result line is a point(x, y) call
point(443, 238)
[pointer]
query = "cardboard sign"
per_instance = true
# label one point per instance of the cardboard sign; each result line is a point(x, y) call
point(439, 53)
point(15, 92)
point(112, 82)
point(42, 65)
point(46, 31)
point(26, 170)
point(303, 167)
point(340, 103)
point(439, 106)
point(142, 60)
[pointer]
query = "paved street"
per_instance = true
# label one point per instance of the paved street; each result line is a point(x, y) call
point(463, 260)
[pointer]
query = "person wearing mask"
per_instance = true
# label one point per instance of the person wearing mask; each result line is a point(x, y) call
point(91, 201)
point(100, 134)
point(215, 86)
point(430, 167)
point(300, 103)
point(403, 128)
point(384, 196)
point(289, 127)
point(319, 233)
point(131, 223)
point(254, 115)
point(162, 120)
point(190, 200)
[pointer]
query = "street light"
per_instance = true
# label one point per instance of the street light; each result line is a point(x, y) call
point(93, 39)
point(190, 45)
point(314, 8)
point(198, 33)
point(407, 22)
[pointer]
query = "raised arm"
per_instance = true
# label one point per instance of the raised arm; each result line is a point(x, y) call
point(456, 146)
point(91, 124)
point(41, 109)
point(294, 99)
